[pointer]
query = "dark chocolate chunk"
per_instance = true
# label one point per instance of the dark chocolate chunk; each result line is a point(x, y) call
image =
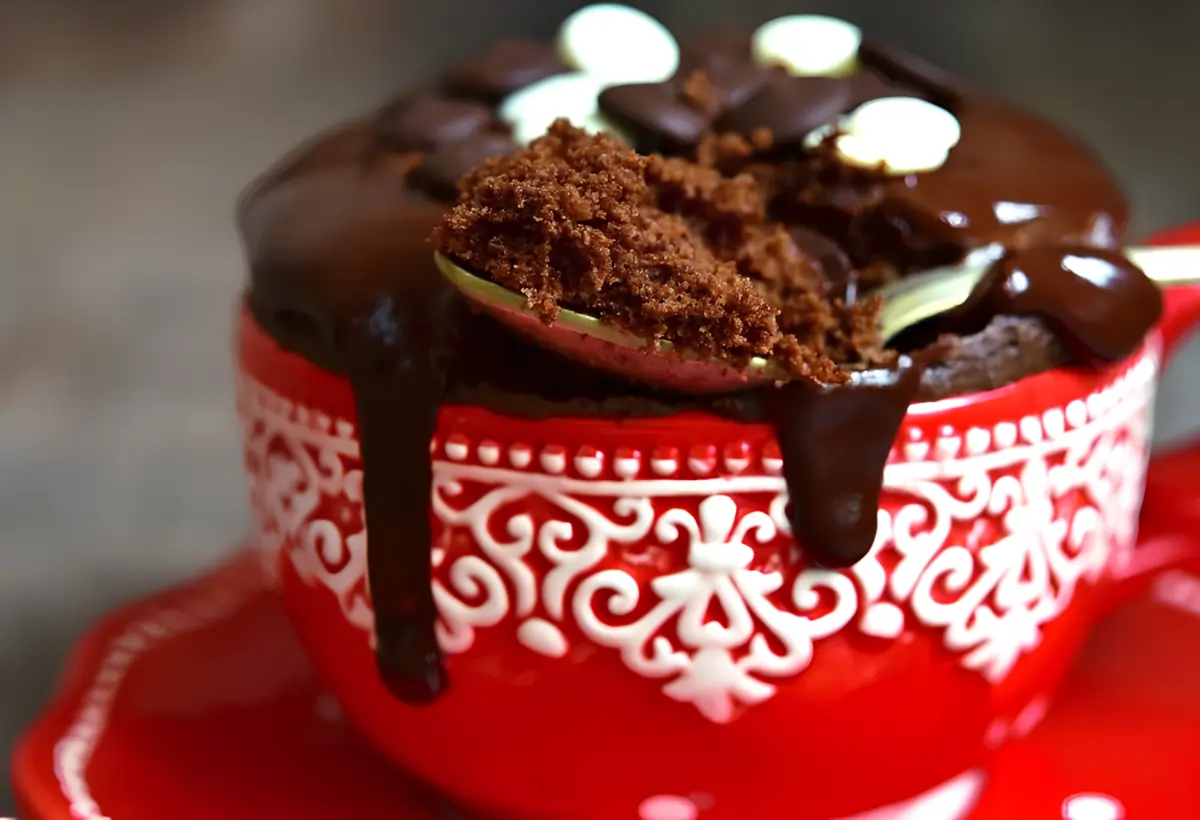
point(507, 66)
point(896, 64)
point(869, 84)
point(439, 172)
point(424, 121)
point(790, 107)
point(655, 115)
point(726, 85)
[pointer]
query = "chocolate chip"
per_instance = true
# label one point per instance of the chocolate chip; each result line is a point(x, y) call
point(790, 107)
point(507, 66)
point(655, 115)
point(731, 84)
point(439, 172)
point(897, 65)
point(424, 121)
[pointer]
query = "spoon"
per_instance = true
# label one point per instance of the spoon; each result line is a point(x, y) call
point(906, 302)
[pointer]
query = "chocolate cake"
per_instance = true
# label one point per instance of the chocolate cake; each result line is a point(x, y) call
point(721, 218)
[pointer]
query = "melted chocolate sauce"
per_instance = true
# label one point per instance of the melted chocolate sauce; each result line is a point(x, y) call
point(394, 431)
point(340, 274)
point(835, 441)
point(397, 360)
point(1098, 302)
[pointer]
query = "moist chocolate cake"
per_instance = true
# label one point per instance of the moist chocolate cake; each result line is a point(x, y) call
point(718, 223)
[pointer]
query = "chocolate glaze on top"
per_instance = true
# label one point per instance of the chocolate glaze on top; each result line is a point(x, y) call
point(340, 273)
point(1097, 301)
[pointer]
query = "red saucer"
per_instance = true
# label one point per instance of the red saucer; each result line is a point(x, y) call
point(198, 703)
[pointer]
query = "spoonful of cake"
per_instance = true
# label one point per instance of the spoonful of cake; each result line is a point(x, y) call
point(674, 275)
point(1064, 290)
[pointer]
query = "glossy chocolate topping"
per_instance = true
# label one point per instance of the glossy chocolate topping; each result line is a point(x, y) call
point(340, 273)
point(1097, 301)
point(835, 440)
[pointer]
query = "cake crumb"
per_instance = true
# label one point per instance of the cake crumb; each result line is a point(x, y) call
point(698, 92)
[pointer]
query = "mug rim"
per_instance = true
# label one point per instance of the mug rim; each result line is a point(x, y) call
point(1056, 385)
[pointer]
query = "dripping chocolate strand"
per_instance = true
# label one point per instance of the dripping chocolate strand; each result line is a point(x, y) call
point(342, 276)
point(397, 370)
point(396, 469)
point(835, 441)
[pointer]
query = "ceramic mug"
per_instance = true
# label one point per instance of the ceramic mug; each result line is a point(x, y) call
point(630, 633)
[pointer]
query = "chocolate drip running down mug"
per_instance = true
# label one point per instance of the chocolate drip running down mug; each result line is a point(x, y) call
point(624, 620)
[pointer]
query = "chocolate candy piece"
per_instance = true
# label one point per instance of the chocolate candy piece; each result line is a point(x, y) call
point(507, 66)
point(654, 114)
point(867, 85)
point(900, 67)
point(424, 121)
point(728, 84)
point(439, 172)
point(790, 107)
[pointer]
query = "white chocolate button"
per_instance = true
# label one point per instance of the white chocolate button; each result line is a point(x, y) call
point(618, 44)
point(893, 156)
point(809, 45)
point(898, 135)
point(531, 110)
point(909, 115)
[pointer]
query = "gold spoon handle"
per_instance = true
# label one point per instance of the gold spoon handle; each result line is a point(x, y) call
point(1179, 265)
point(921, 296)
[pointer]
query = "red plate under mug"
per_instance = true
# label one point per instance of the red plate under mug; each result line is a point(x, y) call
point(198, 703)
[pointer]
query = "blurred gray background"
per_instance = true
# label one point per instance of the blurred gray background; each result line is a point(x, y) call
point(127, 128)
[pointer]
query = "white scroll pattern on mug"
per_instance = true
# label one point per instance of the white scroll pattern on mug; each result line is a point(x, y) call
point(1063, 487)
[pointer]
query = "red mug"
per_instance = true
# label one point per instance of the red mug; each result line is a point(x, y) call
point(629, 634)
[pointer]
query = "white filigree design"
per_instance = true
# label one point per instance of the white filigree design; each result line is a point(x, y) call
point(306, 491)
point(677, 558)
point(705, 671)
